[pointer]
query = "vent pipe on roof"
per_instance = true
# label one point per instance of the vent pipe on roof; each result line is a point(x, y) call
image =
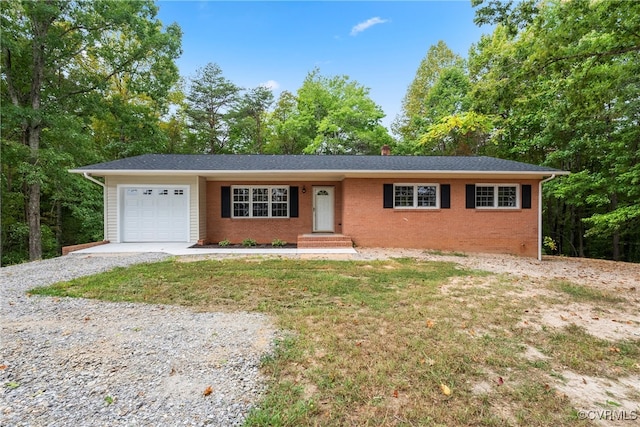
point(385, 151)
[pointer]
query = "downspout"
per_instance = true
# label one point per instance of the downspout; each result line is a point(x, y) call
point(104, 203)
point(540, 237)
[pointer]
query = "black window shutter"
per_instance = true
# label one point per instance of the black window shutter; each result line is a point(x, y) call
point(471, 196)
point(293, 202)
point(225, 201)
point(388, 196)
point(526, 196)
point(445, 196)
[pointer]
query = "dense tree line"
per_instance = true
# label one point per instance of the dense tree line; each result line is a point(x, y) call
point(555, 83)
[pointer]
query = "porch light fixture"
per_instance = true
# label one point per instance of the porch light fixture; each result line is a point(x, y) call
point(304, 189)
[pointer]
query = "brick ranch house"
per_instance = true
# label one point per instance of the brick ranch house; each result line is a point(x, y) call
point(469, 204)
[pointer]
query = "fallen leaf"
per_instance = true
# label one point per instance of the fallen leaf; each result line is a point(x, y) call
point(500, 381)
point(584, 381)
point(595, 318)
point(395, 393)
point(429, 323)
point(207, 391)
point(445, 390)
point(614, 349)
point(3, 367)
point(563, 318)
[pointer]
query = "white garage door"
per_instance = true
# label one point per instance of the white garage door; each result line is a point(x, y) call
point(155, 214)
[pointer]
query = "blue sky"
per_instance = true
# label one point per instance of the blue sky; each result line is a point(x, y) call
point(379, 44)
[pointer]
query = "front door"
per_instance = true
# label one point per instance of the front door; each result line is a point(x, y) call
point(323, 206)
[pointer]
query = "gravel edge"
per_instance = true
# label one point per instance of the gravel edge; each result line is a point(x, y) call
point(73, 361)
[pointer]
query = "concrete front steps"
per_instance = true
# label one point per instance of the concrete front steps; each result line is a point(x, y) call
point(324, 240)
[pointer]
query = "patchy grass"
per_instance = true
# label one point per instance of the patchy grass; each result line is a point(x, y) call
point(585, 294)
point(574, 348)
point(373, 343)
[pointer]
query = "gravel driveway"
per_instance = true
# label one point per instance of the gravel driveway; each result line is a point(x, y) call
point(79, 362)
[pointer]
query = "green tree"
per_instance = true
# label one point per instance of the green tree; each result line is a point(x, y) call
point(564, 79)
point(284, 127)
point(462, 134)
point(337, 116)
point(416, 114)
point(128, 124)
point(58, 59)
point(247, 120)
point(210, 98)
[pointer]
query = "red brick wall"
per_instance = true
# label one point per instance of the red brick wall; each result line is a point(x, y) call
point(359, 213)
point(454, 229)
point(266, 230)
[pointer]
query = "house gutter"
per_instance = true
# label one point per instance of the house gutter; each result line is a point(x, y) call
point(540, 237)
point(104, 203)
point(92, 179)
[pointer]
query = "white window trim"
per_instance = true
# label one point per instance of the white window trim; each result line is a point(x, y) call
point(495, 196)
point(269, 202)
point(415, 198)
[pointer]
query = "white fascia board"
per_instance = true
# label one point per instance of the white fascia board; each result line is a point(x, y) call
point(335, 174)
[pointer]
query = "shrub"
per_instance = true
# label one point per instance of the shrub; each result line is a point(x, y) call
point(224, 243)
point(249, 242)
point(278, 243)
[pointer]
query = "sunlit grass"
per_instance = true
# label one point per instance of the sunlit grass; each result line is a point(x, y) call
point(370, 343)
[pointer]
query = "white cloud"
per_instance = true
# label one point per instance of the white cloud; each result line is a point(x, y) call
point(270, 84)
point(367, 24)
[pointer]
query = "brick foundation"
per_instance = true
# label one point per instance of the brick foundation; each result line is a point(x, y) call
point(66, 250)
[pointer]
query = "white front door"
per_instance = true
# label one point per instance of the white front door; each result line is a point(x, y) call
point(323, 209)
point(155, 214)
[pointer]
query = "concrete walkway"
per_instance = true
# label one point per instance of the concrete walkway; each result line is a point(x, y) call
point(184, 249)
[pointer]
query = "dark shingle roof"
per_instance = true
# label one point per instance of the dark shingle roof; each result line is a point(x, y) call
point(250, 162)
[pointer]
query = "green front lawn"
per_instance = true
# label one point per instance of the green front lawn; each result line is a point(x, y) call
point(380, 342)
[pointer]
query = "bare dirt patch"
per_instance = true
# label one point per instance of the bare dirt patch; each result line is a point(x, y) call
point(613, 325)
point(605, 401)
point(617, 400)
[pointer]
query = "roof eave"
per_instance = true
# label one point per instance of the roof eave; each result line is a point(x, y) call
point(321, 173)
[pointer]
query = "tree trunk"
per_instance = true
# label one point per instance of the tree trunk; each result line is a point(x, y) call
point(40, 27)
point(33, 200)
point(616, 234)
point(33, 212)
point(59, 227)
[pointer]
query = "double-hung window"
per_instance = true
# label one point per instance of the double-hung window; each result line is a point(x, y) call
point(260, 201)
point(416, 196)
point(497, 196)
